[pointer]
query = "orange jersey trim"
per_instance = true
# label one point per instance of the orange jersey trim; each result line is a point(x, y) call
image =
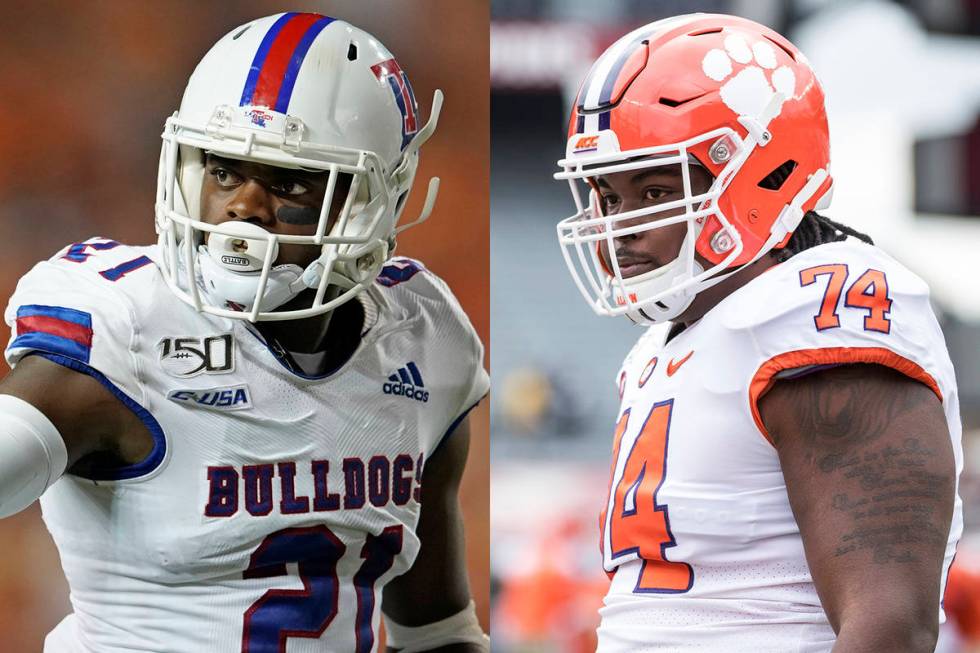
point(765, 377)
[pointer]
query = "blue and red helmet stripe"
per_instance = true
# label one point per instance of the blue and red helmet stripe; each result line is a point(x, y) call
point(276, 65)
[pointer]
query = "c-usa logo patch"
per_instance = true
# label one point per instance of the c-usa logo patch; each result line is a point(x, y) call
point(185, 357)
point(233, 397)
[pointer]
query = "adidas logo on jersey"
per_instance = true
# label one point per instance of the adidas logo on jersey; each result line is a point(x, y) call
point(407, 382)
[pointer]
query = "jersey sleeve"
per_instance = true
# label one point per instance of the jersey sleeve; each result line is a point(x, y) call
point(464, 340)
point(456, 346)
point(839, 304)
point(69, 314)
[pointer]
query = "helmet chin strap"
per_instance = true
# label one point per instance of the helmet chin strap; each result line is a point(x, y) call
point(673, 304)
point(645, 287)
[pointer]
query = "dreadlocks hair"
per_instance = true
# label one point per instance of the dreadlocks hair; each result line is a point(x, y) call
point(816, 229)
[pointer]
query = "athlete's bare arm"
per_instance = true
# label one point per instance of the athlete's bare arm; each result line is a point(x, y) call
point(437, 585)
point(870, 474)
point(88, 416)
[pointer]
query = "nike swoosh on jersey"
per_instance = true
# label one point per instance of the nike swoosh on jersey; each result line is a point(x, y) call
point(673, 367)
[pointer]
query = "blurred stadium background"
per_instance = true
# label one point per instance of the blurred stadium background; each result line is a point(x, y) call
point(87, 89)
point(903, 86)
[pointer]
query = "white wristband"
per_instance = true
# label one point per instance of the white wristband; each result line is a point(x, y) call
point(461, 628)
point(32, 454)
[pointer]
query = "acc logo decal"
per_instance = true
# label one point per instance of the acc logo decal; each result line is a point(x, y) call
point(232, 397)
point(186, 357)
point(586, 144)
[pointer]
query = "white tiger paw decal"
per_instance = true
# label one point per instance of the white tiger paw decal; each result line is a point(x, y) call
point(749, 91)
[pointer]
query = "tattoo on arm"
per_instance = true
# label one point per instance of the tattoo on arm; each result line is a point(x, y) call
point(895, 484)
point(863, 439)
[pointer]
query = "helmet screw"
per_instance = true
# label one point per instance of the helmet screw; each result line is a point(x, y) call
point(721, 242)
point(365, 262)
point(721, 151)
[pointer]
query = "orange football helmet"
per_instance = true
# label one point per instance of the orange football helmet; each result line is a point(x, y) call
point(720, 91)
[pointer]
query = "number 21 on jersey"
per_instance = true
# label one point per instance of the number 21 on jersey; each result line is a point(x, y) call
point(633, 523)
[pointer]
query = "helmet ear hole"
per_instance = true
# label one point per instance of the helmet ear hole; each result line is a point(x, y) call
point(775, 179)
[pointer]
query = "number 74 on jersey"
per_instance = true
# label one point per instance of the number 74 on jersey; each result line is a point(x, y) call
point(633, 523)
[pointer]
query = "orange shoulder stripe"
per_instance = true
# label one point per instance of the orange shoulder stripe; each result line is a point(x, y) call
point(765, 376)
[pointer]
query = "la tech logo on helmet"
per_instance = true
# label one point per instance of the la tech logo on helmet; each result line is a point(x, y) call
point(404, 96)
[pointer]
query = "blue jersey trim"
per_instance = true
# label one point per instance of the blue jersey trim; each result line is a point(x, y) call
point(56, 345)
point(72, 315)
point(456, 423)
point(299, 373)
point(398, 271)
point(75, 323)
point(155, 457)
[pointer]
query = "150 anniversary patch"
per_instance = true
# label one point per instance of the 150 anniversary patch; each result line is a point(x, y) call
point(185, 357)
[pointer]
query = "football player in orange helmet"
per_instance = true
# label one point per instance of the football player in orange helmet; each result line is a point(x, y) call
point(784, 465)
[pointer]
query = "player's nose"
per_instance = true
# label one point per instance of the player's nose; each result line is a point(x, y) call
point(251, 202)
point(626, 223)
point(647, 218)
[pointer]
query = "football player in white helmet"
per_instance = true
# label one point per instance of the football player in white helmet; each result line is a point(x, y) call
point(234, 429)
point(785, 463)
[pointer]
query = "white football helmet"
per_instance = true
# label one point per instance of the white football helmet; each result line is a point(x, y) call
point(294, 90)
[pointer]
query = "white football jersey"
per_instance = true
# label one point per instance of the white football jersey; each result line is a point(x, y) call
point(274, 506)
point(697, 531)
